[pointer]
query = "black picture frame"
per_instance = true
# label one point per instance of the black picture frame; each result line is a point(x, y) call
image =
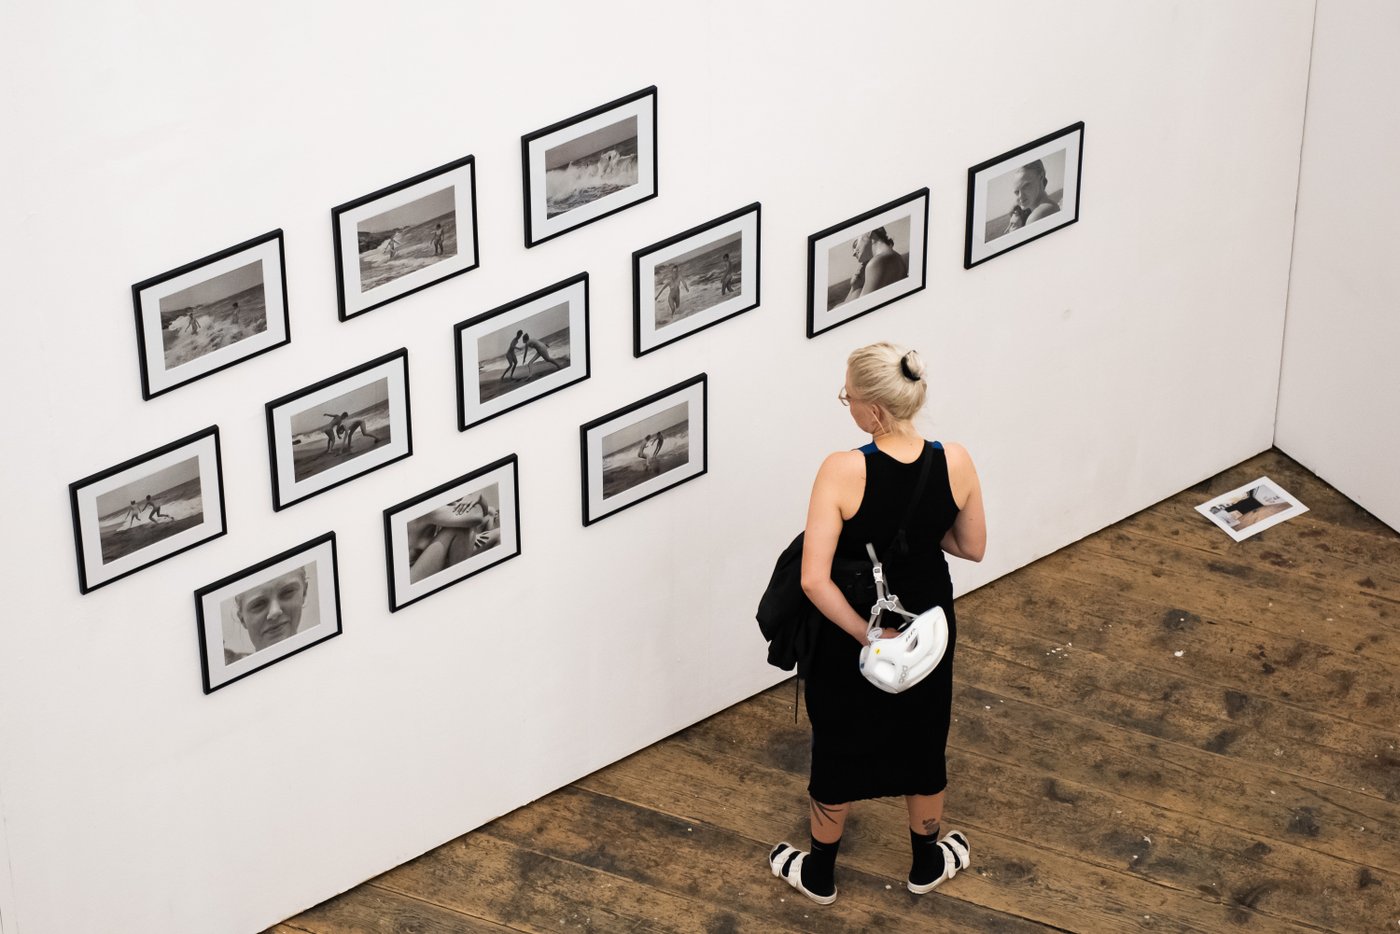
point(605, 437)
point(166, 478)
point(983, 176)
point(407, 201)
point(473, 341)
point(231, 294)
point(211, 603)
point(399, 532)
point(685, 249)
point(592, 127)
point(296, 478)
point(904, 222)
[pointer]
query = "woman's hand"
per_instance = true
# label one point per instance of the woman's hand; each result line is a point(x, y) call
point(884, 633)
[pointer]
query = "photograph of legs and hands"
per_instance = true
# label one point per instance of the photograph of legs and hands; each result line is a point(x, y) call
point(910, 467)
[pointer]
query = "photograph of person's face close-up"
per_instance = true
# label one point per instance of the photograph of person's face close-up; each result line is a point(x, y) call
point(1029, 192)
point(271, 611)
point(268, 612)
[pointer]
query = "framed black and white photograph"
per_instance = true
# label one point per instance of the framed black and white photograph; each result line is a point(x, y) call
point(1024, 194)
point(339, 428)
point(211, 314)
point(268, 612)
point(589, 166)
point(1252, 508)
point(522, 351)
point(695, 279)
point(147, 509)
point(406, 237)
point(645, 448)
point(442, 537)
point(866, 262)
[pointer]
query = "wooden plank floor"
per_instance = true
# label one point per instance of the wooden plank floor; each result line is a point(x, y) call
point(1156, 729)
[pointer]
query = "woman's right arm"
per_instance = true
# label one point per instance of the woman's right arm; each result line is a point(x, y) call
point(840, 473)
point(967, 539)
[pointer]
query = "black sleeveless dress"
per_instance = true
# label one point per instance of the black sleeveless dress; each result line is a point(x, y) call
point(867, 743)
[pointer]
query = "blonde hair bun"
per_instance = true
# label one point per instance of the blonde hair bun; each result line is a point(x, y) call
point(889, 376)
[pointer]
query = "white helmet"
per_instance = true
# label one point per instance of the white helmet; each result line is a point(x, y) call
point(893, 665)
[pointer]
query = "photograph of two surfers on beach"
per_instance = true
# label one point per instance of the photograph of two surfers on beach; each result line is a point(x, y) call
point(646, 449)
point(149, 509)
point(697, 280)
point(514, 356)
point(407, 238)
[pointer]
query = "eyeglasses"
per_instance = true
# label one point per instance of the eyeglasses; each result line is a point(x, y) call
point(846, 398)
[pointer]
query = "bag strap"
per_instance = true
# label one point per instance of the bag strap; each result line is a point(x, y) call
point(883, 599)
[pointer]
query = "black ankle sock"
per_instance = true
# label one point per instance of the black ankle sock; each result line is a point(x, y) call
point(819, 868)
point(928, 857)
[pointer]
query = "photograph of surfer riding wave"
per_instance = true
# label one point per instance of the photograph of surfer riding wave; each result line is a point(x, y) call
point(590, 167)
point(214, 313)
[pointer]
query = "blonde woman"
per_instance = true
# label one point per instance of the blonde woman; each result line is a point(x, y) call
point(866, 743)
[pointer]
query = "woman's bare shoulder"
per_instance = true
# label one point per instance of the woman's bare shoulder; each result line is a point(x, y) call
point(955, 449)
point(843, 464)
point(958, 458)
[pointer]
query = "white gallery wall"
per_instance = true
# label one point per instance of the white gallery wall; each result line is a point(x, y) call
point(1087, 373)
point(1340, 390)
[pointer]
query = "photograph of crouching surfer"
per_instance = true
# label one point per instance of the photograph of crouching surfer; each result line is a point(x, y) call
point(930, 490)
point(339, 428)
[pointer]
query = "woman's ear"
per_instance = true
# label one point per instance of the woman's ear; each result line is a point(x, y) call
point(878, 414)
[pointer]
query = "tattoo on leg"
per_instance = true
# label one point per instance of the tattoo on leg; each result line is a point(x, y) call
point(931, 826)
point(826, 813)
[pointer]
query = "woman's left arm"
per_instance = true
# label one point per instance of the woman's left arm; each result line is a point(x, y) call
point(967, 539)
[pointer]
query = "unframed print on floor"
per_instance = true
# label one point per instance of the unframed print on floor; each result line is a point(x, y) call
point(695, 279)
point(442, 537)
point(212, 313)
point(645, 448)
point(147, 509)
point(1251, 509)
point(406, 237)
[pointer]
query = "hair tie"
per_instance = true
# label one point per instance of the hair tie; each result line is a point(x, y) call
point(904, 368)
